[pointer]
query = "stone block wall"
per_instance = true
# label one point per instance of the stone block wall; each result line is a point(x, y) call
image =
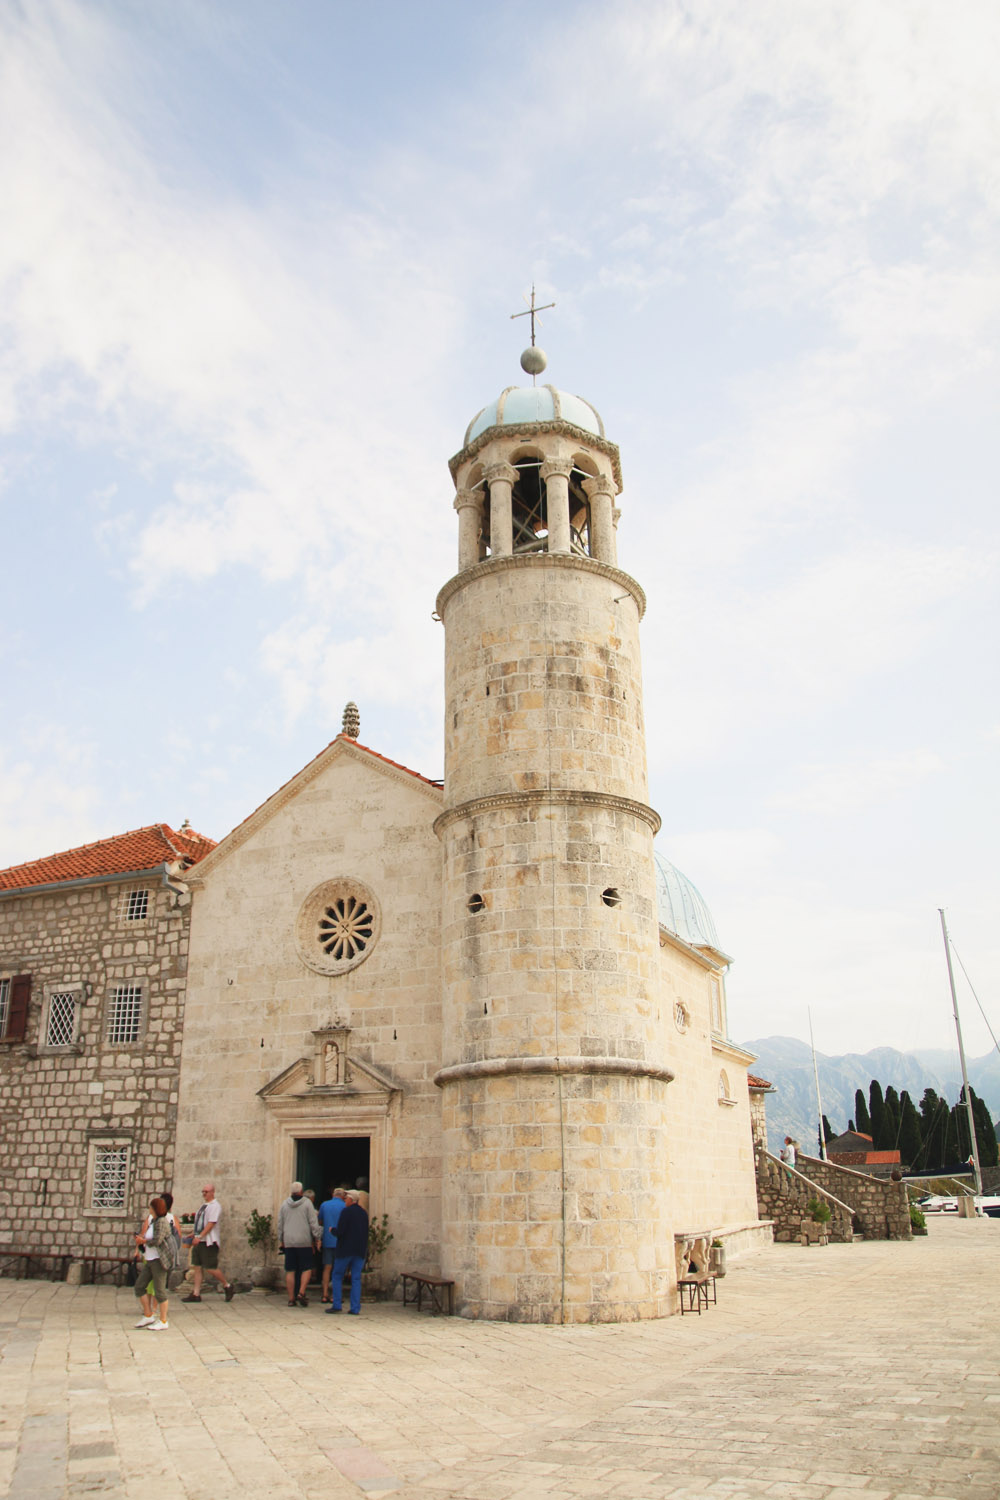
point(58, 1103)
point(783, 1197)
point(250, 1091)
point(881, 1208)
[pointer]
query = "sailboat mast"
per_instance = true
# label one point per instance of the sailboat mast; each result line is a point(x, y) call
point(961, 1053)
point(819, 1102)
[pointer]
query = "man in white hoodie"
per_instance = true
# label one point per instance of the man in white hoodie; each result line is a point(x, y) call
point(298, 1238)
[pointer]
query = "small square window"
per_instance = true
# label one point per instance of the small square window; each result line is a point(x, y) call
point(60, 1029)
point(109, 1177)
point(125, 1014)
point(134, 905)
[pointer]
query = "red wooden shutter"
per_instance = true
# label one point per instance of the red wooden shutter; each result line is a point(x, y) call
point(17, 1015)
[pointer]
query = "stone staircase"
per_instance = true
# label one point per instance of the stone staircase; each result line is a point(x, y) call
point(861, 1207)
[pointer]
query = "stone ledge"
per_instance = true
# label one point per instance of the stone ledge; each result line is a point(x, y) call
point(548, 796)
point(503, 1067)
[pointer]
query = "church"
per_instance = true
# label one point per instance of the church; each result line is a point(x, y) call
point(489, 995)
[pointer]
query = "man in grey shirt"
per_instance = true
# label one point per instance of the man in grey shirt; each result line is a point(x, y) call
point(298, 1238)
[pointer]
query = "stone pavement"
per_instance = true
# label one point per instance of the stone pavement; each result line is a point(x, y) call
point(852, 1372)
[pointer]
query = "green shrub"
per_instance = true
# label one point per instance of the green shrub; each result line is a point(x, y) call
point(259, 1229)
point(819, 1211)
point(917, 1218)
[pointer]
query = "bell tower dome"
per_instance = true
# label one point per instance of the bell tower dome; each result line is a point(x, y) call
point(554, 1069)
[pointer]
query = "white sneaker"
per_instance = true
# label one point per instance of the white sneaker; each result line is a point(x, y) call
point(157, 1324)
point(146, 1322)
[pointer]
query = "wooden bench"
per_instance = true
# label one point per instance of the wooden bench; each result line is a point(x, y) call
point(116, 1266)
point(434, 1285)
point(697, 1292)
point(23, 1260)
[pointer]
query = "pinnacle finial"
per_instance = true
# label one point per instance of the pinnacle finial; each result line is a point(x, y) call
point(352, 721)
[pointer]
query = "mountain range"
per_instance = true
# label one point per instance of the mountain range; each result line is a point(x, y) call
point(791, 1110)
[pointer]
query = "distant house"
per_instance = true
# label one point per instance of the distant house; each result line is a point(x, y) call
point(93, 968)
point(857, 1150)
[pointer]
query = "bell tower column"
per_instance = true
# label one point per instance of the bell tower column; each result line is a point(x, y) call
point(554, 1045)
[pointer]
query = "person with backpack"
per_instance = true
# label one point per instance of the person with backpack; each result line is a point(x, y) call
point(157, 1245)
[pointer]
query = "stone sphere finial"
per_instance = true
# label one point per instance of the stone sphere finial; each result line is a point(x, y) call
point(533, 360)
point(352, 722)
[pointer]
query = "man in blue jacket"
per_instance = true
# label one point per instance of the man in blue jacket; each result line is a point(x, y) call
point(352, 1248)
point(329, 1217)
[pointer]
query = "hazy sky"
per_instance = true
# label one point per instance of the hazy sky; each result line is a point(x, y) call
point(257, 263)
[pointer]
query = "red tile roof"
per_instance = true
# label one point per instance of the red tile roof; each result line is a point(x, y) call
point(758, 1083)
point(142, 849)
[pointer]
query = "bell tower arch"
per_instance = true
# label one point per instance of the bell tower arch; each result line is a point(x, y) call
point(554, 1060)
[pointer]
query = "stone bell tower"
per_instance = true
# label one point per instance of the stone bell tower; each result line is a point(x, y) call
point(554, 1076)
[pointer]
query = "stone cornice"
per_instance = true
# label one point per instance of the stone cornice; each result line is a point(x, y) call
point(547, 797)
point(723, 1047)
point(707, 958)
point(506, 1067)
point(538, 560)
point(341, 746)
point(520, 432)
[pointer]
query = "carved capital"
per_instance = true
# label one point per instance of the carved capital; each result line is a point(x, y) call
point(501, 471)
point(468, 498)
point(556, 466)
point(598, 484)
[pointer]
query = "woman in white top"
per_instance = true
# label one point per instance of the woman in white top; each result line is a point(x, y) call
point(157, 1246)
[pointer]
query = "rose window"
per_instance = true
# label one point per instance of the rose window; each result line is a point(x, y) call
point(346, 927)
point(338, 925)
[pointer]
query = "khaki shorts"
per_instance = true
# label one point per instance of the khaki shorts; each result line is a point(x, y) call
point(206, 1256)
point(156, 1270)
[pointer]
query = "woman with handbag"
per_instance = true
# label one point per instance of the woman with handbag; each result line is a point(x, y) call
point(156, 1244)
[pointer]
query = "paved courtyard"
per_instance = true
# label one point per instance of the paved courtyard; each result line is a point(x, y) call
point(870, 1371)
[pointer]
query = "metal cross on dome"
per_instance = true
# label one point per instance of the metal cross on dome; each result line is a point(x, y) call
point(531, 312)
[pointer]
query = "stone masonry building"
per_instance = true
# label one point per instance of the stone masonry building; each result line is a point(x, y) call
point(93, 962)
point(490, 996)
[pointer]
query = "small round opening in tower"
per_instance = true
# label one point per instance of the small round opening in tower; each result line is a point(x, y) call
point(476, 903)
point(611, 897)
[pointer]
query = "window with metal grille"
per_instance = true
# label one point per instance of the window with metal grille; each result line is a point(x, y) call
point(110, 1179)
point(125, 1014)
point(4, 1004)
point(135, 905)
point(61, 1028)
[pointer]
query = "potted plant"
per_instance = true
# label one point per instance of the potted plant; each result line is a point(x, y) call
point(718, 1258)
point(814, 1231)
point(379, 1240)
point(918, 1222)
point(260, 1236)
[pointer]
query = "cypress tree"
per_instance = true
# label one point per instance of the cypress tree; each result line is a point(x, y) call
point(850, 1126)
point(876, 1113)
point(911, 1140)
point(891, 1118)
point(986, 1135)
point(829, 1133)
point(861, 1113)
point(933, 1116)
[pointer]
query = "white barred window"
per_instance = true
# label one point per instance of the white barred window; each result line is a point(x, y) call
point(60, 1030)
point(125, 1014)
point(109, 1184)
point(134, 904)
point(4, 1004)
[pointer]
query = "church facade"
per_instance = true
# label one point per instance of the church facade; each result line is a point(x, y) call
point(489, 996)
